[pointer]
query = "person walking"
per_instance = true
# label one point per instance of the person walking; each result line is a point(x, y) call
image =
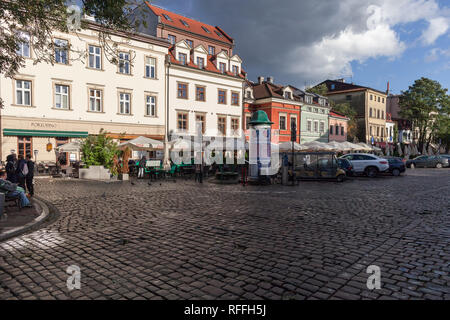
point(142, 164)
point(30, 176)
point(11, 167)
point(199, 173)
point(21, 171)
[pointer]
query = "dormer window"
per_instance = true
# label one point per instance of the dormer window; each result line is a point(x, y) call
point(184, 23)
point(190, 43)
point(287, 95)
point(200, 63)
point(182, 57)
point(235, 70)
point(206, 29)
point(333, 86)
point(222, 67)
point(167, 17)
point(249, 94)
point(219, 34)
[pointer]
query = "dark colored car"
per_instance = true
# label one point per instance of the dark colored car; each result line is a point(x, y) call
point(447, 156)
point(396, 165)
point(428, 162)
point(347, 166)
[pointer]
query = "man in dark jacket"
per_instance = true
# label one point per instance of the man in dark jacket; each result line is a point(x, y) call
point(30, 176)
point(21, 171)
point(11, 167)
point(12, 190)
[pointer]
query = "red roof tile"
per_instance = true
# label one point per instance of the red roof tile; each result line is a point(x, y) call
point(194, 26)
point(338, 115)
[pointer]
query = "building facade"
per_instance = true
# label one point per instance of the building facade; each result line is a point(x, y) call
point(390, 127)
point(369, 104)
point(338, 126)
point(50, 105)
point(314, 117)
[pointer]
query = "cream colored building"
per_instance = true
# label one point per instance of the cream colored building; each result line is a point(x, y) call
point(80, 95)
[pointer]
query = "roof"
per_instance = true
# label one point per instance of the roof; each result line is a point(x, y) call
point(340, 86)
point(335, 114)
point(210, 66)
point(193, 26)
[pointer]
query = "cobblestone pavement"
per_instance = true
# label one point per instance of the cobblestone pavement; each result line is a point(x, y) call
point(186, 241)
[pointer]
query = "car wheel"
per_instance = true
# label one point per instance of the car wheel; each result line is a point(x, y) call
point(371, 172)
point(340, 178)
point(412, 166)
point(439, 165)
point(396, 172)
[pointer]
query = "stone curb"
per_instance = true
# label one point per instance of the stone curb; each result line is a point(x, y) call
point(29, 226)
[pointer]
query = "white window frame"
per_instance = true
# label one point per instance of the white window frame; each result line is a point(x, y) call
point(309, 125)
point(322, 127)
point(24, 45)
point(96, 57)
point(124, 104)
point(316, 126)
point(184, 55)
point(285, 120)
point(150, 65)
point(61, 96)
point(20, 89)
point(94, 98)
point(62, 46)
point(211, 50)
point(150, 106)
point(224, 65)
point(202, 66)
point(124, 63)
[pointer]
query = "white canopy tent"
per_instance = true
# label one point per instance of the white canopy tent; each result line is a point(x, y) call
point(73, 146)
point(287, 146)
point(142, 144)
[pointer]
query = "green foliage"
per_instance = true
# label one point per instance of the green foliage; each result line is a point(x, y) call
point(320, 90)
point(348, 111)
point(427, 105)
point(99, 150)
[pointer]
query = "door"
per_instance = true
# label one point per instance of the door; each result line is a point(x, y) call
point(421, 162)
point(24, 146)
point(64, 156)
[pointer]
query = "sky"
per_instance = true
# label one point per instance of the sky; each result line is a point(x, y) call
point(303, 42)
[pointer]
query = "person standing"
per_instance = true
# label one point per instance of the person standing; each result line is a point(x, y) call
point(11, 167)
point(21, 171)
point(30, 176)
point(142, 164)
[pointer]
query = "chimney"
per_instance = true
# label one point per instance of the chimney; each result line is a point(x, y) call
point(340, 80)
point(260, 80)
point(387, 91)
point(270, 79)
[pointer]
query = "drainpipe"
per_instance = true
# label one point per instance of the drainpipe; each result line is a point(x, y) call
point(166, 135)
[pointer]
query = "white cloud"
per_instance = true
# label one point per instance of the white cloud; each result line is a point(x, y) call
point(437, 27)
point(436, 53)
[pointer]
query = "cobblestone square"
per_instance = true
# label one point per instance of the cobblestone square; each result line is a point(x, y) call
point(188, 241)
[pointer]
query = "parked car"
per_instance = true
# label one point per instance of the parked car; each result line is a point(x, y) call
point(347, 166)
point(368, 164)
point(428, 162)
point(396, 165)
point(317, 166)
point(447, 156)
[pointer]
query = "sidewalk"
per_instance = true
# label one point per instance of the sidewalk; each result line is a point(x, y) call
point(15, 221)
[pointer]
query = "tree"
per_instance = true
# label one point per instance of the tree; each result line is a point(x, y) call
point(348, 111)
point(34, 21)
point(99, 150)
point(320, 90)
point(426, 104)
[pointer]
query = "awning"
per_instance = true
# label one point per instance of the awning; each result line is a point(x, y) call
point(44, 133)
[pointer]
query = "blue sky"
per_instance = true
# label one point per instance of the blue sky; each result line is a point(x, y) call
point(298, 42)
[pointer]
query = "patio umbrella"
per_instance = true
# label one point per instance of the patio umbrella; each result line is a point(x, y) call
point(142, 144)
point(287, 146)
point(317, 146)
point(365, 146)
point(73, 146)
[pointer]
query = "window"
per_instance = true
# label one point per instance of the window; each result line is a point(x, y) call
point(309, 109)
point(293, 122)
point(150, 67)
point(95, 100)
point(206, 29)
point(24, 146)
point(282, 122)
point(249, 94)
point(200, 62)
point(309, 124)
point(371, 97)
point(184, 23)
point(382, 100)
point(124, 103)
point(342, 131)
point(182, 57)
point(150, 106)
point(124, 63)
point(95, 57)
point(23, 92)
point(235, 98)
point(378, 114)
point(322, 127)
point(234, 125)
point(182, 121)
point(348, 97)
point(382, 114)
point(235, 70)
point(200, 118)
point(182, 91)
point(308, 99)
point(379, 99)
point(370, 113)
point(61, 51)
point(316, 110)
point(331, 129)
point(172, 39)
point(222, 125)
point(218, 33)
point(247, 122)
point(24, 45)
point(378, 131)
point(61, 96)
point(371, 130)
point(211, 50)
point(287, 95)
point(333, 86)
point(222, 67)
point(200, 93)
point(190, 43)
point(167, 17)
point(316, 126)
point(222, 97)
